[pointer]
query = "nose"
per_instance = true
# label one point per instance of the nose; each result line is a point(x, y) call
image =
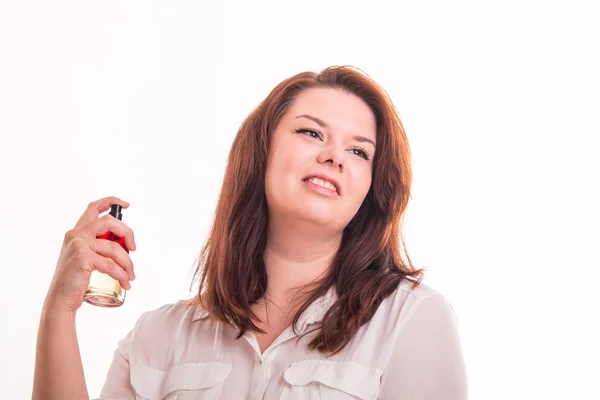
point(334, 155)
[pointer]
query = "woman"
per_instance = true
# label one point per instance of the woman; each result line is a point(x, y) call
point(303, 293)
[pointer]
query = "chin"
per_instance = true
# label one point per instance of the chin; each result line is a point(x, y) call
point(313, 210)
point(317, 217)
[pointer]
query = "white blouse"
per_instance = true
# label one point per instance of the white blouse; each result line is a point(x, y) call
point(409, 350)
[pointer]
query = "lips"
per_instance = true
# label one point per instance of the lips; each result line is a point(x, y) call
point(326, 179)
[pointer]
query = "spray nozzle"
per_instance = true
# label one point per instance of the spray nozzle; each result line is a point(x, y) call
point(115, 211)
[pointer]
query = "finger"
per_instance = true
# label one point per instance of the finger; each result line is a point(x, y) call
point(114, 251)
point(108, 223)
point(95, 208)
point(109, 267)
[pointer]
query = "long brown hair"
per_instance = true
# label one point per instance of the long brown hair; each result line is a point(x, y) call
point(368, 266)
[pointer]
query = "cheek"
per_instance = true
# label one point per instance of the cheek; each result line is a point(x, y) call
point(289, 165)
point(279, 152)
point(286, 164)
point(280, 173)
point(362, 184)
point(359, 192)
point(367, 185)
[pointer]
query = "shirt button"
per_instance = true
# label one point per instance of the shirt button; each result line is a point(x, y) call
point(260, 362)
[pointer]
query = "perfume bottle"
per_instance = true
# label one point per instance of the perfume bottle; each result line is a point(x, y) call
point(103, 290)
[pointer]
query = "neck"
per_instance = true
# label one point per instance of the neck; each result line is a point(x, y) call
point(297, 253)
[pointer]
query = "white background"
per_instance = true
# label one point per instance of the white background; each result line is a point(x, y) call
point(142, 100)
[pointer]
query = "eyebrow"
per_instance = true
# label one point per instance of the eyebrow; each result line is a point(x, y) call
point(322, 124)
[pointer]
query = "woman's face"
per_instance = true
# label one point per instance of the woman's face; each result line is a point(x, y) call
point(326, 133)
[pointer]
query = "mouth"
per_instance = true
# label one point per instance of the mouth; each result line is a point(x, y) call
point(322, 185)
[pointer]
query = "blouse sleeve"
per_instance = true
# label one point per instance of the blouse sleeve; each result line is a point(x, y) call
point(427, 360)
point(117, 384)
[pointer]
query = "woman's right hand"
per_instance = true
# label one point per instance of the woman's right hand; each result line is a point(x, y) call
point(82, 252)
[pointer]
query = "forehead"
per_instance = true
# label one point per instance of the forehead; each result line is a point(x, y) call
point(341, 110)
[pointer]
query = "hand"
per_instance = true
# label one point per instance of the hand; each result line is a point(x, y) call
point(82, 252)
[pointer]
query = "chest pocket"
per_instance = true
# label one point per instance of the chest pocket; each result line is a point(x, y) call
point(195, 381)
point(331, 380)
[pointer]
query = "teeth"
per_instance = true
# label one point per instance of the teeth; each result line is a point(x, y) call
point(321, 182)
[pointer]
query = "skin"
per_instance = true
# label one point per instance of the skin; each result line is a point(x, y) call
point(305, 227)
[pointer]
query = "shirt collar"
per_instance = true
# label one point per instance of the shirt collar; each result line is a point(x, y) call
point(313, 313)
point(317, 309)
point(200, 313)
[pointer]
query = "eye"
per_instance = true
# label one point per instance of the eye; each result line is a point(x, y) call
point(361, 153)
point(310, 132)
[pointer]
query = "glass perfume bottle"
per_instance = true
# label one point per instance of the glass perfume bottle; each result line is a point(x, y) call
point(103, 290)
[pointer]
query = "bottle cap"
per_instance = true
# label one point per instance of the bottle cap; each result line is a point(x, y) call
point(115, 211)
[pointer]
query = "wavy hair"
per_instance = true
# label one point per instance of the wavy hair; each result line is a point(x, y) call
point(368, 265)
